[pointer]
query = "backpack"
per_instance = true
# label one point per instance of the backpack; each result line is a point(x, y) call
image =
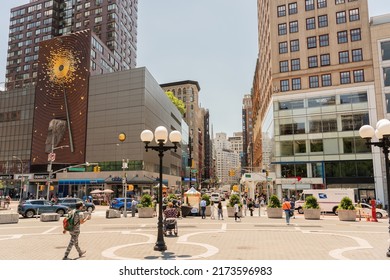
point(68, 222)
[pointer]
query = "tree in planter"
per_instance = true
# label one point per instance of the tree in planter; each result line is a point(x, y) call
point(207, 198)
point(311, 208)
point(346, 204)
point(274, 207)
point(346, 210)
point(311, 203)
point(233, 199)
point(274, 202)
point(146, 201)
point(145, 207)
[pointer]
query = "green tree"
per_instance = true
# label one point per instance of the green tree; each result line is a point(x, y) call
point(177, 102)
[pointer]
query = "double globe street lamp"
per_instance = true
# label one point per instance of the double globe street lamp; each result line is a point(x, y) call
point(382, 132)
point(161, 137)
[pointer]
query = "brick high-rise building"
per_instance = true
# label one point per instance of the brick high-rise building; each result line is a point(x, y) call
point(114, 23)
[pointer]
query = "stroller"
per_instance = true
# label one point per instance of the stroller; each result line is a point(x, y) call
point(170, 225)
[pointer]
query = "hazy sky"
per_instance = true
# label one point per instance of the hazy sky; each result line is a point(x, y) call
point(213, 42)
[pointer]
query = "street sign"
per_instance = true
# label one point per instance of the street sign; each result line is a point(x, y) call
point(76, 169)
point(51, 157)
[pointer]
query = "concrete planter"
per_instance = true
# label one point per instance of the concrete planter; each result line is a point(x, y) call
point(111, 213)
point(145, 212)
point(312, 214)
point(9, 218)
point(346, 215)
point(230, 211)
point(274, 213)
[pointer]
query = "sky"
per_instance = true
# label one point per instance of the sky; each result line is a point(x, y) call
point(213, 42)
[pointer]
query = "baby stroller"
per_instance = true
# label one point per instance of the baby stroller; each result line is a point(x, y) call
point(170, 225)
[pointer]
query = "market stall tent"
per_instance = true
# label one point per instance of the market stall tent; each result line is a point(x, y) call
point(192, 198)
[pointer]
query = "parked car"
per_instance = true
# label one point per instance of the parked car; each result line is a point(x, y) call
point(71, 203)
point(215, 197)
point(119, 204)
point(367, 210)
point(32, 207)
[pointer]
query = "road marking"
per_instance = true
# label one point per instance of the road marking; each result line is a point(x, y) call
point(50, 230)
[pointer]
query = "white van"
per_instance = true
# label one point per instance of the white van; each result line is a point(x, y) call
point(328, 199)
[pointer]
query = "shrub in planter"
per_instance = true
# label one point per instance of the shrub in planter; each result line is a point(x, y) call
point(145, 207)
point(233, 199)
point(207, 198)
point(346, 210)
point(274, 202)
point(274, 207)
point(311, 208)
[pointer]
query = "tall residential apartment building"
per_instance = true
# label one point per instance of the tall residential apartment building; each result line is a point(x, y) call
point(321, 80)
point(113, 22)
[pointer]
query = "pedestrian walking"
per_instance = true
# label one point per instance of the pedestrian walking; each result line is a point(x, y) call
point(286, 206)
point(236, 210)
point(220, 213)
point(75, 232)
point(251, 206)
point(202, 205)
point(134, 203)
point(212, 210)
point(292, 208)
point(244, 204)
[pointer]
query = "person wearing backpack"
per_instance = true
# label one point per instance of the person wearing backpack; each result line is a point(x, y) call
point(75, 219)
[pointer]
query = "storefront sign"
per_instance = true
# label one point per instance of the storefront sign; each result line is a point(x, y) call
point(6, 177)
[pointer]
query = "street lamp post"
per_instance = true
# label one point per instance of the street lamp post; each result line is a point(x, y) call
point(160, 135)
point(122, 138)
point(22, 179)
point(51, 158)
point(382, 132)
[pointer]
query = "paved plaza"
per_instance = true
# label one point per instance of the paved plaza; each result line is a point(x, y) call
point(254, 238)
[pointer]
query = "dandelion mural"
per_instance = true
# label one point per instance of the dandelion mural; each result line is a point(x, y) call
point(62, 95)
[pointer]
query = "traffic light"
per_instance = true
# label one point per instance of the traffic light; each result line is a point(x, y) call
point(96, 168)
point(232, 173)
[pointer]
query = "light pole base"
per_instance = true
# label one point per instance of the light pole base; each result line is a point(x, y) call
point(388, 253)
point(160, 246)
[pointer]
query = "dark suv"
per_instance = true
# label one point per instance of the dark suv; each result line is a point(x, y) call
point(71, 203)
point(32, 207)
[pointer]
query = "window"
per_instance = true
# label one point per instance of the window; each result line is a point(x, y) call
point(282, 29)
point(289, 105)
point(293, 26)
point(282, 11)
point(313, 62)
point(343, 57)
point(321, 101)
point(314, 82)
point(311, 42)
point(321, 4)
point(341, 17)
point(353, 98)
point(354, 15)
point(386, 76)
point(284, 85)
point(294, 45)
point(324, 40)
point(310, 23)
point(326, 80)
point(358, 76)
point(292, 8)
point(295, 64)
point(355, 35)
point(309, 5)
point(323, 21)
point(325, 59)
point(342, 37)
point(296, 83)
point(385, 50)
point(357, 55)
point(354, 122)
point(283, 47)
point(345, 77)
point(283, 66)
point(340, 2)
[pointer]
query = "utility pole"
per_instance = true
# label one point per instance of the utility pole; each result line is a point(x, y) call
point(190, 157)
